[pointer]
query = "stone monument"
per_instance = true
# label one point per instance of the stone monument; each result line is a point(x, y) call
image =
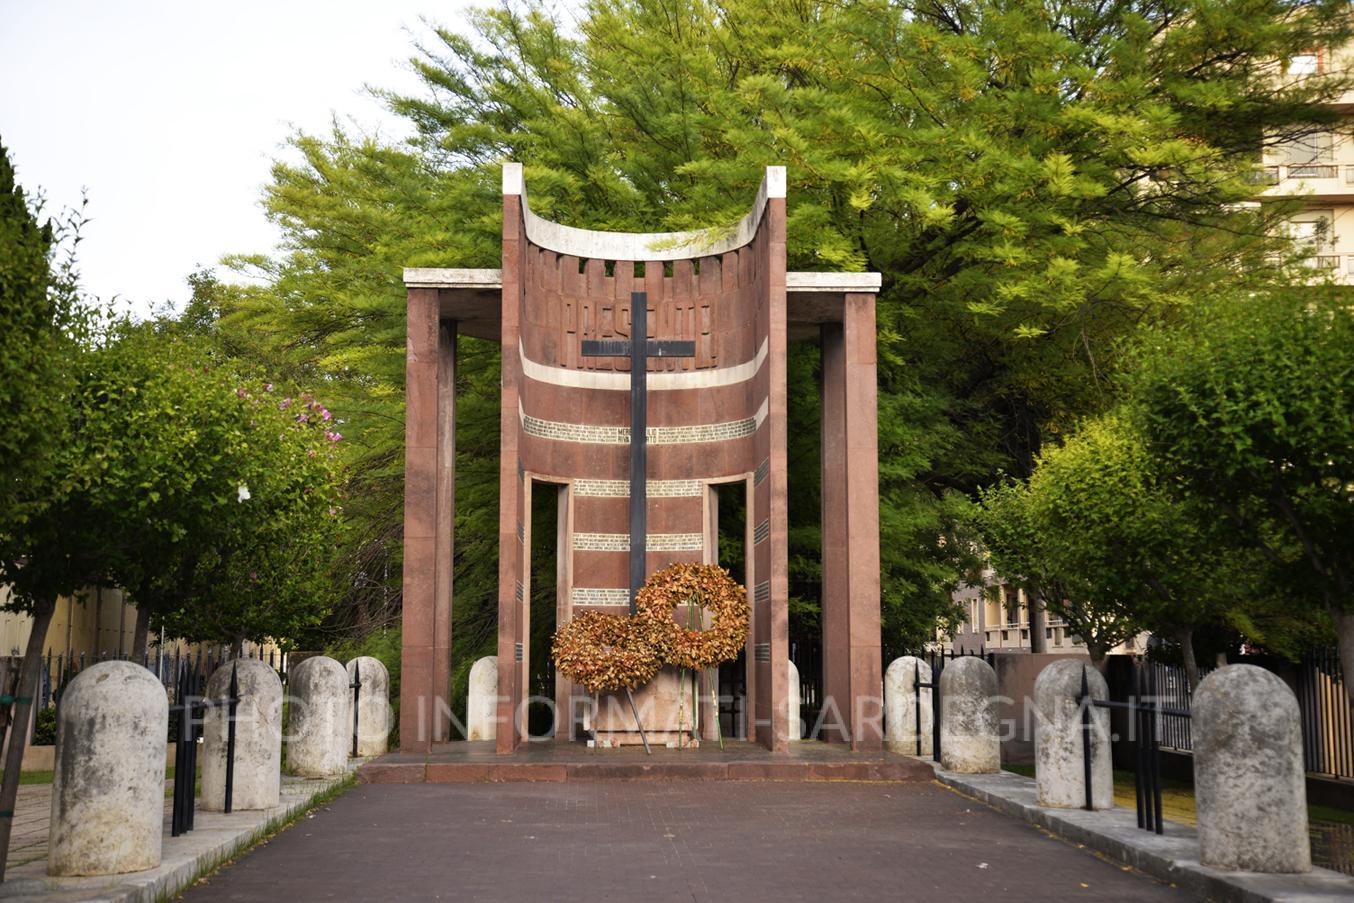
point(686, 334)
point(1060, 736)
point(319, 723)
point(482, 699)
point(372, 705)
point(257, 779)
point(969, 738)
point(1250, 786)
point(108, 791)
point(908, 718)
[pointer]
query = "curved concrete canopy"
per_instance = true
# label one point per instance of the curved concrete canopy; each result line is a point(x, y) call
point(596, 244)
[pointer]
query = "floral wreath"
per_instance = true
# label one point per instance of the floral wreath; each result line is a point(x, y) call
point(705, 587)
point(610, 652)
point(605, 652)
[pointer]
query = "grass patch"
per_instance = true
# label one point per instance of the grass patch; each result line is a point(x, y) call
point(1177, 799)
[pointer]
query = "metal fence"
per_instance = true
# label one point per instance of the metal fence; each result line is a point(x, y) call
point(1172, 689)
point(1327, 722)
point(168, 667)
point(1327, 718)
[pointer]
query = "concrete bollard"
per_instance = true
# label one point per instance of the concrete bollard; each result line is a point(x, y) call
point(1060, 737)
point(1249, 782)
point(901, 705)
point(108, 793)
point(481, 717)
point(257, 779)
point(792, 702)
point(373, 706)
point(319, 739)
point(969, 741)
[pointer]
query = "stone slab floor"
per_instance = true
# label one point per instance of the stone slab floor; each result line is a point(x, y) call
point(32, 819)
point(658, 841)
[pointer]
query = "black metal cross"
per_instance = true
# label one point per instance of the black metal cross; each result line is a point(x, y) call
point(639, 349)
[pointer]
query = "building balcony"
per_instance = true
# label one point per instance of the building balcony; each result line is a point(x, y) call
point(1315, 180)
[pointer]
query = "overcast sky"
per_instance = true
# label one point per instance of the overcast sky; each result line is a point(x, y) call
point(170, 111)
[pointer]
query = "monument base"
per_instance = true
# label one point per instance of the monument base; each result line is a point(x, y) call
point(668, 706)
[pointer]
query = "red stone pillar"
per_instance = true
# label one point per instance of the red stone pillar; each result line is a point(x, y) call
point(512, 657)
point(835, 588)
point(773, 687)
point(444, 532)
point(420, 522)
point(852, 669)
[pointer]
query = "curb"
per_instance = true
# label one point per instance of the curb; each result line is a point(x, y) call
point(1171, 857)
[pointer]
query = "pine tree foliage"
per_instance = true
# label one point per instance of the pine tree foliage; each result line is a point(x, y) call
point(1034, 180)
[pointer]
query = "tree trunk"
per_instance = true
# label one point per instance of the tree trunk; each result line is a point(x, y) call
point(1035, 601)
point(18, 732)
point(1098, 656)
point(1185, 637)
point(1344, 635)
point(139, 633)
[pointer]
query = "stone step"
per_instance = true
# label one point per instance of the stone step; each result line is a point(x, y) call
point(892, 769)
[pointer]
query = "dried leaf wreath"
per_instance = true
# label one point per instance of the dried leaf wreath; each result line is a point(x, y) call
point(610, 652)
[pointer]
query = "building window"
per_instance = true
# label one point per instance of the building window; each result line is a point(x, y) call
point(1305, 64)
point(1312, 228)
point(1309, 156)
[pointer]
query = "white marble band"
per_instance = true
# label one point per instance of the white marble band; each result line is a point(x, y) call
point(657, 435)
point(654, 542)
point(654, 489)
point(619, 381)
point(593, 595)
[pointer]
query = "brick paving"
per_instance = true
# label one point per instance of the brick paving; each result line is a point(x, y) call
point(33, 821)
point(661, 841)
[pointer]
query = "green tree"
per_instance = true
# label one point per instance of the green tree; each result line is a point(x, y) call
point(1251, 401)
point(214, 505)
point(1020, 547)
point(1034, 180)
point(244, 510)
point(37, 314)
point(1113, 518)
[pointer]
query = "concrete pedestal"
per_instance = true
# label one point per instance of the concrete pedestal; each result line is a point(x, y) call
point(108, 792)
point(257, 780)
point(665, 707)
point(969, 738)
point(318, 720)
point(1059, 738)
point(906, 730)
point(373, 705)
point(1249, 783)
point(481, 718)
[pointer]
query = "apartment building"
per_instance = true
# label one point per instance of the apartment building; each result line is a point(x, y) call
point(1319, 169)
point(98, 624)
point(998, 620)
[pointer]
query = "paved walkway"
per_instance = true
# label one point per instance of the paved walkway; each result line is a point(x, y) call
point(215, 838)
point(659, 841)
point(32, 821)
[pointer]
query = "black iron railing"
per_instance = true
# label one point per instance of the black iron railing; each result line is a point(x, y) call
point(1146, 713)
